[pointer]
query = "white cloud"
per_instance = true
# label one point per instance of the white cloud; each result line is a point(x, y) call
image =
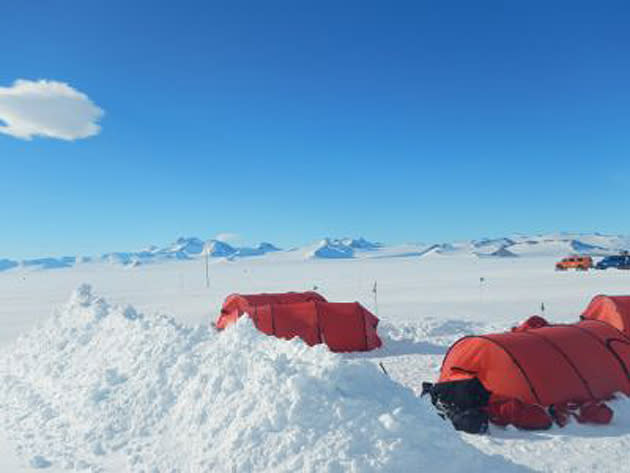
point(47, 108)
point(228, 237)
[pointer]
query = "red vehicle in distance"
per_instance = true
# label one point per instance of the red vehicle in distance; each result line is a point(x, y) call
point(577, 262)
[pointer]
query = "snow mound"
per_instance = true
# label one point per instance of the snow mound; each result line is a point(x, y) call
point(98, 383)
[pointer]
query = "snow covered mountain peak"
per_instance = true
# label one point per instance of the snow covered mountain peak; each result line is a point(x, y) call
point(218, 248)
point(554, 245)
point(188, 245)
point(330, 248)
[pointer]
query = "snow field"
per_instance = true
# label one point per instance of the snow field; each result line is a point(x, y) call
point(97, 383)
point(573, 448)
point(425, 304)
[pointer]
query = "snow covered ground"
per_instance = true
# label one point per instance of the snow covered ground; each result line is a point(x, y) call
point(94, 385)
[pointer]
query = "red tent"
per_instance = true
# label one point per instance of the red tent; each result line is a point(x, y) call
point(586, 361)
point(614, 310)
point(236, 305)
point(342, 326)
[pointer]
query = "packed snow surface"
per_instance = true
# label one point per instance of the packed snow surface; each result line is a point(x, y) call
point(75, 391)
point(97, 381)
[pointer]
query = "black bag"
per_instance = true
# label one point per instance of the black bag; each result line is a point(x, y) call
point(473, 421)
point(462, 402)
point(464, 394)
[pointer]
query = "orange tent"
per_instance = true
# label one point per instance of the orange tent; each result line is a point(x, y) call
point(586, 361)
point(342, 326)
point(236, 305)
point(614, 310)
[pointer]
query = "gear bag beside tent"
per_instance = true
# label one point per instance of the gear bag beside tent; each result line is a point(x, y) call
point(344, 327)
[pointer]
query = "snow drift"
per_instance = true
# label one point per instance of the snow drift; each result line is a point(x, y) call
point(98, 382)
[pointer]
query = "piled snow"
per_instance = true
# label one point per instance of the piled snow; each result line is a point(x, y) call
point(98, 382)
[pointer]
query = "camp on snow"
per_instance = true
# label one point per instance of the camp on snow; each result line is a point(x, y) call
point(539, 372)
point(342, 326)
point(532, 376)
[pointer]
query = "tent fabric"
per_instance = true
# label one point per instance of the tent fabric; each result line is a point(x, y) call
point(614, 310)
point(344, 327)
point(236, 305)
point(553, 364)
point(535, 321)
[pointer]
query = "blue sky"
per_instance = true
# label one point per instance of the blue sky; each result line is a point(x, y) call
point(288, 121)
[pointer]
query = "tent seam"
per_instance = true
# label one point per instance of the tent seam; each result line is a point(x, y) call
point(567, 359)
point(607, 346)
point(365, 336)
point(518, 365)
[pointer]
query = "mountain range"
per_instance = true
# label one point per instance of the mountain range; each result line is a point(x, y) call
point(187, 248)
